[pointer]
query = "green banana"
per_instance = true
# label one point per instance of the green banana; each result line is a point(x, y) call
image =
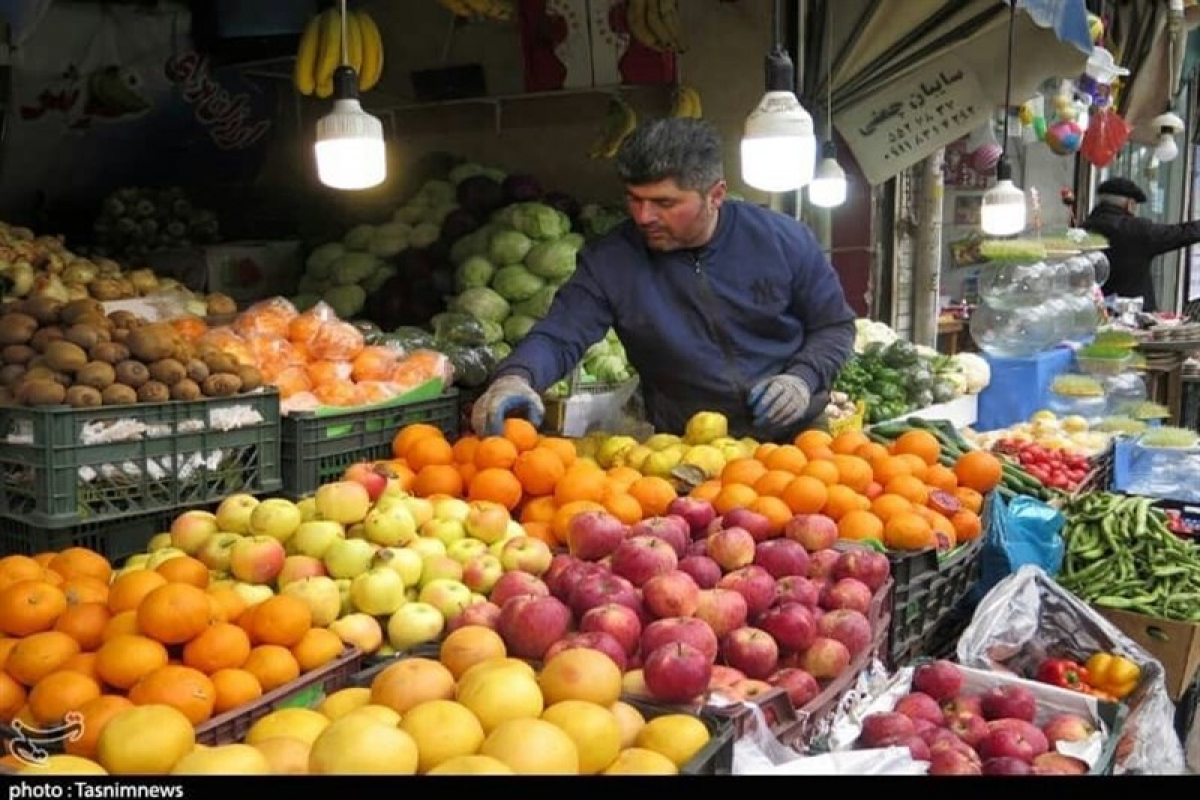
point(620, 121)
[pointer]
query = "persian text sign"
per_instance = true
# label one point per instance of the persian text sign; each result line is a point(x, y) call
point(913, 117)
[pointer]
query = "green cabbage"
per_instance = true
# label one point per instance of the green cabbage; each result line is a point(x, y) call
point(358, 237)
point(437, 192)
point(320, 260)
point(476, 271)
point(411, 213)
point(517, 327)
point(346, 301)
point(465, 170)
point(539, 304)
point(554, 259)
point(492, 331)
point(303, 302)
point(508, 247)
point(424, 234)
point(482, 303)
point(354, 268)
point(540, 221)
point(375, 281)
point(516, 283)
point(473, 244)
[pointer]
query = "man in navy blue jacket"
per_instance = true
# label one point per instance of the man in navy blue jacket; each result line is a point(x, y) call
point(721, 305)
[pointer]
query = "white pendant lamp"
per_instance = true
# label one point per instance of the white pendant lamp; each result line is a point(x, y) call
point(1003, 212)
point(779, 150)
point(350, 148)
point(1169, 124)
point(828, 188)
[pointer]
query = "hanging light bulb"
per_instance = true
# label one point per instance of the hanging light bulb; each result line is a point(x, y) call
point(1002, 212)
point(1169, 124)
point(828, 188)
point(350, 148)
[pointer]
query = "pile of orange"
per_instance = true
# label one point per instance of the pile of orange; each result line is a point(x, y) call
point(899, 495)
point(76, 638)
point(537, 478)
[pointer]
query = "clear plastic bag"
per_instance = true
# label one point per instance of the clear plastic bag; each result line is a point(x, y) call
point(270, 317)
point(1027, 617)
point(758, 751)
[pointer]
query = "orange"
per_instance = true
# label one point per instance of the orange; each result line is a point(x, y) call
point(174, 613)
point(916, 465)
point(842, 500)
point(909, 531)
point(621, 478)
point(539, 470)
point(464, 449)
point(30, 606)
point(853, 472)
point(941, 477)
point(773, 482)
point(95, 713)
point(429, 450)
point(765, 449)
point(127, 591)
point(282, 619)
point(187, 690)
point(409, 434)
point(495, 452)
point(124, 660)
point(273, 665)
point(967, 525)
point(624, 507)
point(563, 448)
point(857, 525)
point(59, 692)
point(733, 495)
point(84, 664)
point(847, 443)
point(805, 495)
point(81, 562)
point(121, 624)
point(743, 470)
point(970, 499)
point(824, 471)
point(788, 458)
point(36, 656)
point(653, 494)
point(776, 511)
point(438, 479)
point(978, 470)
point(234, 688)
point(537, 509)
point(540, 530)
point(908, 487)
point(228, 602)
point(521, 433)
point(84, 623)
point(708, 490)
point(497, 485)
point(580, 484)
point(871, 451)
point(316, 648)
point(184, 569)
point(12, 697)
point(888, 467)
point(922, 444)
point(222, 646)
point(886, 506)
point(6, 646)
point(812, 439)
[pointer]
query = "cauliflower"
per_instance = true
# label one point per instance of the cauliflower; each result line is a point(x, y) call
point(977, 371)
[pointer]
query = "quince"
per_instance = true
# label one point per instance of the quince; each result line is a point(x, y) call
point(707, 457)
point(633, 457)
point(661, 463)
point(661, 441)
point(704, 426)
point(612, 447)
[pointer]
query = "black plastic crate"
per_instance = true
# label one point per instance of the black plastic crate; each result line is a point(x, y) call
point(174, 455)
point(928, 589)
point(317, 449)
point(115, 539)
point(716, 757)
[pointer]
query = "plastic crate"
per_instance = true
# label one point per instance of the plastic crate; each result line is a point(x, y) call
point(307, 690)
point(115, 539)
point(182, 455)
point(716, 757)
point(929, 587)
point(775, 706)
point(317, 448)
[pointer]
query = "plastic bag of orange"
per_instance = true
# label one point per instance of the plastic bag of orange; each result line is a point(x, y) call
point(335, 341)
point(266, 318)
point(304, 327)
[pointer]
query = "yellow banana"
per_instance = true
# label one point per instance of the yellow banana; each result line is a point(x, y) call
point(372, 66)
point(306, 56)
point(330, 53)
point(501, 10)
point(686, 102)
point(620, 121)
point(458, 8)
point(636, 12)
point(354, 42)
point(662, 18)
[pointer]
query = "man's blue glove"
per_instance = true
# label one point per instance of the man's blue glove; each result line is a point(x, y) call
point(780, 401)
point(508, 395)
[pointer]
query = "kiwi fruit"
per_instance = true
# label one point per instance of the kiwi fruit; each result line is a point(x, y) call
point(12, 374)
point(124, 319)
point(119, 335)
point(45, 336)
point(64, 356)
point(83, 335)
point(109, 352)
point(151, 343)
point(250, 376)
point(119, 395)
point(96, 374)
point(186, 389)
point(197, 370)
point(132, 373)
point(41, 393)
point(168, 371)
point(96, 321)
point(221, 385)
point(153, 392)
point(220, 362)
point(218, 304)
point(75, 310)
point(17, 354)
point(38, 372)
point(64, 378)
point(83, 397)
point(17, 328)
point(44, 309)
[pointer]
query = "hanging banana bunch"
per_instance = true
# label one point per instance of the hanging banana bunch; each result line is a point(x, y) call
point(320, 52)
point(686, 102)
point(498, 10)
point(619, 122)
point(656, 24)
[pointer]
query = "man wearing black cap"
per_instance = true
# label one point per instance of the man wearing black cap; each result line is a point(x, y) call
point(1133, 242)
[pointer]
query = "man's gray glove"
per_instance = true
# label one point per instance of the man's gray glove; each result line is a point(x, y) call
point(780, 401)
point(508, 395)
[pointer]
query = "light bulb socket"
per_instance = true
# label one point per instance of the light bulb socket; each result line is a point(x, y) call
point(780, 71)
point(828, 150)
point(345, 83)
point(1003, 169)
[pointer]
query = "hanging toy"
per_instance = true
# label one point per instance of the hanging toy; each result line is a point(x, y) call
point(1064, 136)
point(1095, 27)
point(1099, 73)
point(984, 149)
point(1032, 115)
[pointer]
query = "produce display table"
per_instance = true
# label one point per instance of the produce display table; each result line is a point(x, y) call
point(1164, 372)
point(1019, 386)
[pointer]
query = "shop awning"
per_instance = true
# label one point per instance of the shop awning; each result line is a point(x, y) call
point(911, 76)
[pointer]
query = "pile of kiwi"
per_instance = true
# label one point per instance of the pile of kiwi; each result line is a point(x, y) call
point(73, 353)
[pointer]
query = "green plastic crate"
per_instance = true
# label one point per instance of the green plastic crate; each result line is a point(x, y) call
point(115, 539)
point(50, 479)
point(318, 447)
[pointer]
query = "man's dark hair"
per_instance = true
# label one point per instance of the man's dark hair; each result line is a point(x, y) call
point(685, 149)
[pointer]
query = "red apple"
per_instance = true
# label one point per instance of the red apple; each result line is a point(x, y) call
point(723, 610)
point(1027, 731)
point(573, 574)
point(704, 571)
point(849, 627)
point(797, 589)
point(594, 534)
point(864, 564)
point(732, 548)
point(698, 547)
point(925, 727)
point(515, 584)
point(959, 704)
point(952, 762)
point(821, 563)
point(529, 625)
point(782, 558)
point(1007, 765)
point(640, 558)
point(1008, 700)
point(939, 679)
point(689, 630)
point(748, 689)
point(792, 626)
point(847, 593)
point(676, 672)
point(801, 687)
point(970, 728)
point(486, 614)
point(825, 658)
point(373, 480)
point(697, 513)
point(596, 640)
point(757, 525)
point(724, 676)
point(558, 565)
point(916, 747)
point(674, 594)
point(672, 530)
point(1067, 728)
point(813, 531)
point(601, 588)
point(754, 584)
point(1058, 764)
point(1006, 743)
point(882, 726)
point(618, 621)
point(918, 705)
point(750, 650)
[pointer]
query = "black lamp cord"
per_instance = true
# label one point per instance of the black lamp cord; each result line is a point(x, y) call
point(1003, 170)
point(780, 74)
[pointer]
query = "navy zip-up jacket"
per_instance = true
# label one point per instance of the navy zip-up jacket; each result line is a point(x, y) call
point(1133, 242)
point(701, 327)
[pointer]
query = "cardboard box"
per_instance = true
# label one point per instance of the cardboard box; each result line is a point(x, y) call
point(1174, 643)
point(556, 44)
point(617, 58)
point(252, 271)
